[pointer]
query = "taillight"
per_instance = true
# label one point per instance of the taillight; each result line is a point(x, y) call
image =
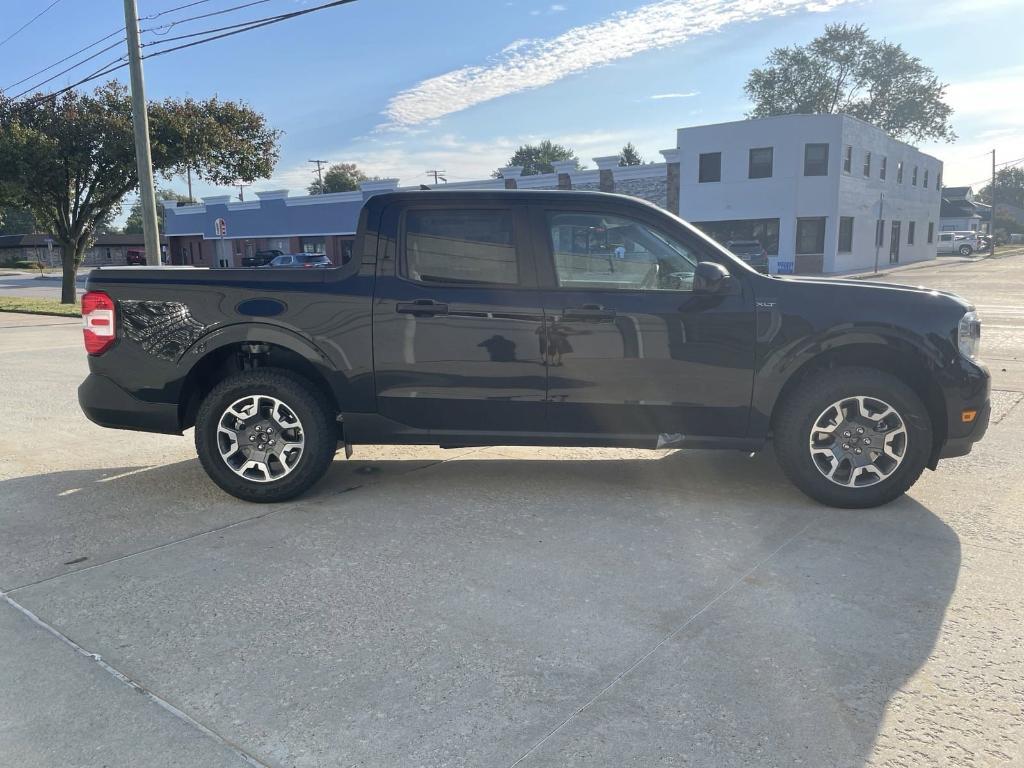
point(97, 322)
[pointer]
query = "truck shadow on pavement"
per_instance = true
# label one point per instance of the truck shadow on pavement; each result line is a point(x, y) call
point(688, 609)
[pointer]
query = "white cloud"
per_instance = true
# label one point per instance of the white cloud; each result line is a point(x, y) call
point(556, 8)
point(682, 95)
point(536, 63)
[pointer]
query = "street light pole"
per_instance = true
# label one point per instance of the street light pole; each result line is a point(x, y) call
point(992, 210)
point(140, 122)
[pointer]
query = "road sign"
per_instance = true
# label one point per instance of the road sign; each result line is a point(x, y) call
point(220, 227)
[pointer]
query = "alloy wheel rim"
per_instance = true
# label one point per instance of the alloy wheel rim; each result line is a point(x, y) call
point(858, 441)
point(260, 438)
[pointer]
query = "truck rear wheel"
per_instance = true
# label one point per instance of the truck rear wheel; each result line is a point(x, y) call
point(265, 435)
point(853, 437)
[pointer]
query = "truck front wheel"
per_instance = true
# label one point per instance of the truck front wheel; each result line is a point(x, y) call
point(853, 437)
point(265, 435)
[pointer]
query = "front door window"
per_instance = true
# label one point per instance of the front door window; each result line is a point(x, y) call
point(595, 250)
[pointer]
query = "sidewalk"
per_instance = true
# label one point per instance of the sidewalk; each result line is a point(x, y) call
point(1002, 252)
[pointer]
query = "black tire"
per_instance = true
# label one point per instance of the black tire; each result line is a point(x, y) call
point(318, 431)
point(798, 413)
point(966, 250)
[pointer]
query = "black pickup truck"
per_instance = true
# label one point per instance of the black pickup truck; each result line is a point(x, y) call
point(535, 318)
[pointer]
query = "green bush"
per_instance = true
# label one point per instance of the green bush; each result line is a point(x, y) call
point(24, 265)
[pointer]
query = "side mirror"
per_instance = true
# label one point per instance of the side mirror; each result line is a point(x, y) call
point(710, 278)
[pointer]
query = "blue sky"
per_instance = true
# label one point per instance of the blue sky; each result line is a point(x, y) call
point(403, 86)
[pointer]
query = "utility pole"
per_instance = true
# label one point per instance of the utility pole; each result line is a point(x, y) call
point(319, 172)
point(992, 214)
point(140, 122)
point(438, 175)
point(241, 190)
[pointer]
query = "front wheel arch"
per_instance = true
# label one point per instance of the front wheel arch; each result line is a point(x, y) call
point(906, 365)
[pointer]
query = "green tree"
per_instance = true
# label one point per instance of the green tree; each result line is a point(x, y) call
point(630, 155)
point(845, 70)
point(538, 158)
point(133, 224)
point(340, 177)
point(1009, 188)
point(16, 221)
point(71, 158)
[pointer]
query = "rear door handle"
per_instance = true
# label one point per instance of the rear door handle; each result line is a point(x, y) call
point(422, 308)
point(593, 313)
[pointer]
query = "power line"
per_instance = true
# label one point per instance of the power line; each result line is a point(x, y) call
point(66, 58)
point(119, 63)
point(29, 22)
point(246, 26)
point(242, 26)
point(100, 52)
point(172, 10)
point(172, 24)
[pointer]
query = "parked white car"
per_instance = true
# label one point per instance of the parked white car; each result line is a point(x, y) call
point(964, 243)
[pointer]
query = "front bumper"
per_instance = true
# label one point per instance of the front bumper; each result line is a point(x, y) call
point(107, 404)
point(972, 392)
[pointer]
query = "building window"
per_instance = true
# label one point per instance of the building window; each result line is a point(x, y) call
point(313, 244)
point(938, 181)
point(880, 233)
point(845, 234)
point(764, 231)
point(460, 247)
point(710, 167)
point(911, 226)
point(847, 159)
point(899, 171)
point(883, 168)
point(931, 232)
point(815, 159)
point(761, 163)
point(924, 183)
point(867, 163)
point(810, 235)
point(913, 177)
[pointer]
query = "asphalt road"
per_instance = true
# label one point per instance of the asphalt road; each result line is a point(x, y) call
point(503, 607)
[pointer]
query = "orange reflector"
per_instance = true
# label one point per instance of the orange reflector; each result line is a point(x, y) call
point(968, 416)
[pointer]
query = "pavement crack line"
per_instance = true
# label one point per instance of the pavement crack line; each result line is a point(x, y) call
point(668, 638)
point(134, 685)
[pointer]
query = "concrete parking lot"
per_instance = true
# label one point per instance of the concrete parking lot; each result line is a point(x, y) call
point(503, 607)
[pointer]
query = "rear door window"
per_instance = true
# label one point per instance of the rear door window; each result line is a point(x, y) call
point(460, 247)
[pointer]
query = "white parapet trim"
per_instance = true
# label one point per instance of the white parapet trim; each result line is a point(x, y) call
point(607, 163)
point(648, 171)
point(379, 185)
point(511, 172)
point(538, 181)
point(324, 199)
point(273, 194)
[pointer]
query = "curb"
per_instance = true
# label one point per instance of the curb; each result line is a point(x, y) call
point(940, 261)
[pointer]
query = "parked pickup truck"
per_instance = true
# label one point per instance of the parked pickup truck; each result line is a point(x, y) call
point(535, 318)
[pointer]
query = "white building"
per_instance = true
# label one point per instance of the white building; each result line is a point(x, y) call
point(823, 193)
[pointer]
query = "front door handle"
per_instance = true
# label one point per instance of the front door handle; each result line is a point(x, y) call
point(422, 308)
point(593, 313)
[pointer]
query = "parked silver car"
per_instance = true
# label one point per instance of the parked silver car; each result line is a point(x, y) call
point(964, 243)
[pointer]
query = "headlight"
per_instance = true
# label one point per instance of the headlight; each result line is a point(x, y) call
point(969, 335)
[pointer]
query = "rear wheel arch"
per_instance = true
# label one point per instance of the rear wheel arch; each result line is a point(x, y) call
point(245, 350)
point(906, 364)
